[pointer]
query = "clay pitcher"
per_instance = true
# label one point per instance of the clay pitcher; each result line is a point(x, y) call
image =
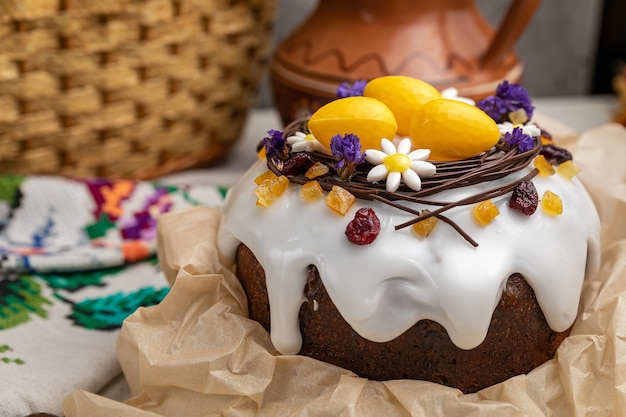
point(444, 42)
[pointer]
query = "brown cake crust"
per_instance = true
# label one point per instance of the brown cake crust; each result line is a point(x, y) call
point(519, 338)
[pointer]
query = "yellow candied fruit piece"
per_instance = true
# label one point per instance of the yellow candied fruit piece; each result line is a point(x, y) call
point(311, 191)
point(518, 117)
point(270, 189)
point(551, 203)
point(545, 168)
point(261, 154)
point(568, 169)
point(339, 200)
point(279, 185)
point(267, 175)
point(424, 227)
point(485, 212)
point(546, 141)
point(264, 195)
point(317, 170)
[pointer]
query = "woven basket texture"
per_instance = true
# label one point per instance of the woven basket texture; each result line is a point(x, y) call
point(126, 88)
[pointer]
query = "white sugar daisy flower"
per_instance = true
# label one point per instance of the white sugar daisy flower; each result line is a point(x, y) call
point(397, 164)
point(529, 129)
point(453, 94)
point(301, 142)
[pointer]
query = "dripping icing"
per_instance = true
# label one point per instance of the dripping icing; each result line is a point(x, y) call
point(384, 288)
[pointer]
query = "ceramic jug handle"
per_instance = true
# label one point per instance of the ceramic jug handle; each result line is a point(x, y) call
point(517, 17)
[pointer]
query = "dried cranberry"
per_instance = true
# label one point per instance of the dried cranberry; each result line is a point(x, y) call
point(297, 164)
point(364, 228)
point(555, 155)
point(525, 198)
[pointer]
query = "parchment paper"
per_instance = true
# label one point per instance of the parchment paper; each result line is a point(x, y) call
point(196, 354)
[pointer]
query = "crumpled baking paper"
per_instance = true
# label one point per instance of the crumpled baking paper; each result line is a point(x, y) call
point(196, 354)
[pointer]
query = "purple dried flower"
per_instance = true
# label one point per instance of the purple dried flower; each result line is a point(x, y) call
point(494, 107)
point(517, 138)
point(350, 90)
point(508, 98)
point(275, 144)
point(347, 150)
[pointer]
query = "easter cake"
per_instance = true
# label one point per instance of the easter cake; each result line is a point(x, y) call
point(405, 233)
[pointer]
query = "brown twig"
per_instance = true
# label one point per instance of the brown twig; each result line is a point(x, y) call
point(495, 164)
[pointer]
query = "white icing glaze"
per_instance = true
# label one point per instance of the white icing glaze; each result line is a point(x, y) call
point(382, 289)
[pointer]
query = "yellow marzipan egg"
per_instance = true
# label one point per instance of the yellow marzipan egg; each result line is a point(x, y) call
point(403, 95)
point(368, 118)
point(453, 130)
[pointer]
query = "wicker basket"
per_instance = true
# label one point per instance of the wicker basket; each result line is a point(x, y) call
point(126, 88)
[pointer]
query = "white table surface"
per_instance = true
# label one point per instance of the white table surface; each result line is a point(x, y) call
point(579, 113)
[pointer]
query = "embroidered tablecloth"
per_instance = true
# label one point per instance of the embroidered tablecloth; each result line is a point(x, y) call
point(76, 258)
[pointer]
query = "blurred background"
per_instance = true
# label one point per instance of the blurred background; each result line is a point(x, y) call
point(141, 88)
point(571, 47)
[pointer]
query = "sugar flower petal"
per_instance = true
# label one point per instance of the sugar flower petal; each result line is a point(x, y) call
point(419, 155)
point(423, 168)
point(404, 146)
point(529, 129)
point(301, 142)
point(374, 156)
point(378, 173)
point(398, 163)
point(393, 181)
point(387, 146)
point(412, 180)
point(453, 94)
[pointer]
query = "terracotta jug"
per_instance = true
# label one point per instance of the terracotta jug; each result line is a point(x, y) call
point(444, 42)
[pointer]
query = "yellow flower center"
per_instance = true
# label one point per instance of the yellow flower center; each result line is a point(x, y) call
point(397, 162)
point(309, 137)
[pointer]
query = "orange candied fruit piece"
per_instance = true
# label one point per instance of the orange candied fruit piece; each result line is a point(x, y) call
point(339, 200)
point(568, 169)
point(424, 227)
point(546, 140)
point(270, 189)
point(551, 203)
point(311, 191)
point(545, 168)
point(484, 212)
point(518, 117)
point(267, 175)
point(317, 170)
